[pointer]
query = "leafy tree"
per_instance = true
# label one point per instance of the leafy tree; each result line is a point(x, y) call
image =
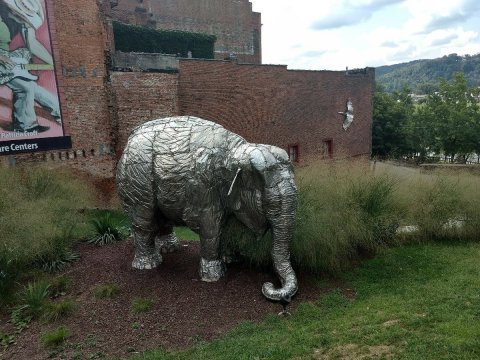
point(454, 111)
point(390, 114)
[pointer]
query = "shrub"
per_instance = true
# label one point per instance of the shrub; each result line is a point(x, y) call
point(373, 198)
point(55, 337)
point(106, 291)
point(141, 305)
point(343, 212)
point(130, 38)
point(107, 230)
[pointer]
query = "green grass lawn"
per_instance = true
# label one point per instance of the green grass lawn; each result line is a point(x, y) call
point(412, 302)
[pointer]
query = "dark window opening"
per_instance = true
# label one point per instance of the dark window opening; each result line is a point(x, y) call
point(293, 153)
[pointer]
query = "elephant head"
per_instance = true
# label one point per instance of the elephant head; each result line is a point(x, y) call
point(263, 195)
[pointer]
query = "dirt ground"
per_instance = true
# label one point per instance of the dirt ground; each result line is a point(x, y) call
point(184, 310)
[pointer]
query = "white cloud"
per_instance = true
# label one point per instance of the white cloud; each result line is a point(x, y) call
point(379, 32)
point(348, 13)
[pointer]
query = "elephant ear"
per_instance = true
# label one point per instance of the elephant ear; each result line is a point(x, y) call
point(266, 161)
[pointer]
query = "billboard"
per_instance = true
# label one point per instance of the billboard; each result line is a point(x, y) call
point(30, 113)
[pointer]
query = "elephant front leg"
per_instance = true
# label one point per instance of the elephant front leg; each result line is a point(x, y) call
point(212, 268)
point(146, 256)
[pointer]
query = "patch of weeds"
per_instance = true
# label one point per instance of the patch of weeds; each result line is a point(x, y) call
point(59, 286)
point(56, 337)
point(106, 291)
point(136, 326)
point(90, 340)
point(141, 305)
point(55, 310)
point(20, 318)
point(107, 230)
point(57, 260)
point(6, 339)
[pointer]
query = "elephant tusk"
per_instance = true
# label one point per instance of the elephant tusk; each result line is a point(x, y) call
point(233, 182)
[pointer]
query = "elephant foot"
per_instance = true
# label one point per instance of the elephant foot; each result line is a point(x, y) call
point(146, 262)
point(211, 270)
point(167, 243)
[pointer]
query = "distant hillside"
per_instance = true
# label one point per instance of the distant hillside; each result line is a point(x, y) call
point(422, 76)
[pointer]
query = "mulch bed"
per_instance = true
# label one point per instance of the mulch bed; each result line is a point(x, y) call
point(185, 310)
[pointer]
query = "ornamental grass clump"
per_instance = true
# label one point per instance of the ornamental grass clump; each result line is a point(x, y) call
point(56, 337)
point(108, 229)
point(39, 210)
point(344, 211)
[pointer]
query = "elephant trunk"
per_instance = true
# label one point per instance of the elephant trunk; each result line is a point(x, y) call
point(282, 218)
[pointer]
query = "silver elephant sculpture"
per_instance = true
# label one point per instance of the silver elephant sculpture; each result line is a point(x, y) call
point(188, 171)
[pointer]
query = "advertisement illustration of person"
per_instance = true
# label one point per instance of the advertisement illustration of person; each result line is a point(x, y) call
point(24, 17)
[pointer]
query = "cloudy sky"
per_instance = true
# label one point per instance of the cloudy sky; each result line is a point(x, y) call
point(334, 34)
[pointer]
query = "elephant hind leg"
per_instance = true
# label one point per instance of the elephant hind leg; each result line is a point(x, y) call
point(167, 243)
point(146, 256)
point(147, 225)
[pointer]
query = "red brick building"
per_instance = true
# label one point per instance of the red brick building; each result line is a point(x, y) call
point(295, 110)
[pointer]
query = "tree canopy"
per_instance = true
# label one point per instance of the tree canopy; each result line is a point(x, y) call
point(446, 122)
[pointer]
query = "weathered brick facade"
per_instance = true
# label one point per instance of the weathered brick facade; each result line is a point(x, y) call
point(264, 103)
point(237, 27)
point(270, 104)
point(141, 97)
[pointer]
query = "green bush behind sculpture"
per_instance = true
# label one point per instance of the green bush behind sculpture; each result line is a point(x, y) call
point(131, 38)
point(346, 212)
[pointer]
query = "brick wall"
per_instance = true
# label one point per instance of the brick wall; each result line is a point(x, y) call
point(140, 97)
point(270, 104)
point(237, 28)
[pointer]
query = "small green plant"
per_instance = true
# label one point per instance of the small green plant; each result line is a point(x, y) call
point(35, 296)
point(141, 305)
point(56, 337)
point(53, 311)
point(106, 291)
point(6, 339)
point(107, 230)
point(20, 318)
